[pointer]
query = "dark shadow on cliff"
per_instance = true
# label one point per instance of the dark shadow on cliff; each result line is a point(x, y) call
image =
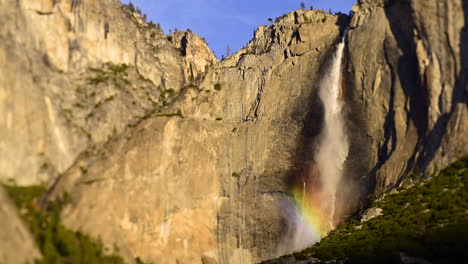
point(343, 22)
point(461, 92)
point(349, 193)
point(459, 96)
point(402, 61)
point(268, 224)
point(312, 126)
point(269, 227)
point(388, 147)
point(429, 140)
point(399, 14)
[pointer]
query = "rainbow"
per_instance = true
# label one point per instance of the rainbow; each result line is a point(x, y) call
point(309, 213)
point(313, 206)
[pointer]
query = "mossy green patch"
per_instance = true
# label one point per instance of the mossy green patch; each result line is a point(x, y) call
point(23, 195)
point(428, 220)
point(98, 79)
point(178, 114)
point(57, 243)
point(218, 87)
point(117, 68)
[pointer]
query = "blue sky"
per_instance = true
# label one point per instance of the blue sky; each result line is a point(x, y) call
point(226, 22)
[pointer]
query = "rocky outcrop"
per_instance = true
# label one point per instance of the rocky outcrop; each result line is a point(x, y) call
point(178, 160)
point(196, 54)
point(58, 94)
point(200, 181)
point(371, 213)
point(406, 88)
point(16, 243)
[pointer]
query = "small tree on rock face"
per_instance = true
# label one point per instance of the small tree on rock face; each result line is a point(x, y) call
point(270, 20)
point(131, 7)
point(303, 6)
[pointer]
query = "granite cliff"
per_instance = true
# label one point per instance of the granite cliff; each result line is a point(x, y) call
point(178, 158)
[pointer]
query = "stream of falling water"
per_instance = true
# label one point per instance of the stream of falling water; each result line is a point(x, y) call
point(312, 212)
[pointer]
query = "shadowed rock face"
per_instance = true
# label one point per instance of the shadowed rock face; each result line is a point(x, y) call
point(188, 161)
point(408, 84)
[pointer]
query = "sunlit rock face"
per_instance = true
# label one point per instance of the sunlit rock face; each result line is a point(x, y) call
point(50, 108)
point(16, 243)
point(177, 160)
point(205, 185)
point(196, 54)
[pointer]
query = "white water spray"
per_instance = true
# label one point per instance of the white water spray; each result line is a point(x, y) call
point(333, 147)
point(312, 211)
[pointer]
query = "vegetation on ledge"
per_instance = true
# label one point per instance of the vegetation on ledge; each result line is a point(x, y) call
point(57, 244)
point(426, 222)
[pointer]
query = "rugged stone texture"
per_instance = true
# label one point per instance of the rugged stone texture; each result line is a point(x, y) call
point(407, 87)
point(197, 55)
point(179, 172)
point(206, 187)
point(48, 104)
point(371, 213)
point(16, 243)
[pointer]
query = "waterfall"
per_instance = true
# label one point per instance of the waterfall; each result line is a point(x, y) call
point(310, 215)
point(333, 147)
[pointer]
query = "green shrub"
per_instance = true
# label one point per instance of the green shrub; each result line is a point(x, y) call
point(117, 68)
point(218, 87)
point(428, 221)
point(178, 113)
point(97, 79)
point(56, 243)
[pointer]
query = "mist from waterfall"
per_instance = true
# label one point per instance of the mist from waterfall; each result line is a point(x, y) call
point(311, 214)
point(333, 147)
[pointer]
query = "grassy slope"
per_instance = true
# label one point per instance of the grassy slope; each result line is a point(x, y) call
point(428, 220)
point(57, 244)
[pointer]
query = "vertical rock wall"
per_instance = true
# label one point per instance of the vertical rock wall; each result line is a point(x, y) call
point(406, 84)
point(192, 172)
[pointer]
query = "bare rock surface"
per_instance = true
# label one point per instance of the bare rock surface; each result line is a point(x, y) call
point(406, 85)
point(178, 158)
point(196, 54)
point(200, 181)
point(16, 243)
point(371, 213)
point(55, 78)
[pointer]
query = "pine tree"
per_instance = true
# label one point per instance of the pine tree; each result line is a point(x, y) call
point(131, 7)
